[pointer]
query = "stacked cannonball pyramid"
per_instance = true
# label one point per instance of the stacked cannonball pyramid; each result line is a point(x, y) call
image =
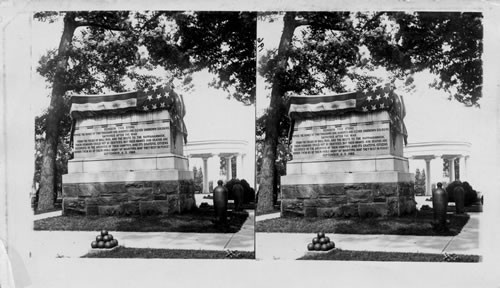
point(104, 241)
point(321, 243)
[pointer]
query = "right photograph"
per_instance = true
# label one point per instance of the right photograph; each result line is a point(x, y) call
point(368, 146)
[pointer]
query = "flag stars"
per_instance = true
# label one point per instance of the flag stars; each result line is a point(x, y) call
point(378, 97)
point(145, 108)
point(374, 107)
point(158, 96)
point(147, 89)
point(365, 109)
point(369, 98)
point(150, 97)
point(154, 106)
point(162, 104)
point(386, 95)
point(382, 105)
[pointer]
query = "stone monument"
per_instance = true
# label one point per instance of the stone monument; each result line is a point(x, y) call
point(348, 156)
point(128, 155)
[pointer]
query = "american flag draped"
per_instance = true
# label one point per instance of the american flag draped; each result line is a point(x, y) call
point(152, 98)
point(373, 99)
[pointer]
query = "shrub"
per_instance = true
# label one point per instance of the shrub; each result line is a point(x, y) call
point(419, 191)
point(229, 186)
point(249, 192)
point(470, 194)
point(449, 190)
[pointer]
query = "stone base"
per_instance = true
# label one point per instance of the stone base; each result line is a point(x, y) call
point(128, 197)
point(127, 176)
point(366, 199)
point(128, 163)
point(349, 164)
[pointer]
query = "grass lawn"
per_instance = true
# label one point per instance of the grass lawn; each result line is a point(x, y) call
point(349, 255)
point(123, 252)
point(198, 221)
point(418, 224)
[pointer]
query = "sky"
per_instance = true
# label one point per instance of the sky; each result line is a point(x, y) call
point(430, 115)
point(210, 115)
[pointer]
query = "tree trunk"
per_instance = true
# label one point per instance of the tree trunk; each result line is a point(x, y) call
point(48, 171)
point(265, 201)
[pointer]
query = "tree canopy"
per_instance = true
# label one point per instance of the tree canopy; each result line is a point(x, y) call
point(107, 52)
point(334, 48)
point(449, 45)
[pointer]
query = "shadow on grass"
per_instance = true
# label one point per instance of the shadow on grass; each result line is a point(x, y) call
point(198, 221)
point(418, 224)
point(349, 255)
point(148, 253)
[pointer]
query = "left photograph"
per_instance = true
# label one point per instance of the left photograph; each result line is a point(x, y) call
point(145, 136)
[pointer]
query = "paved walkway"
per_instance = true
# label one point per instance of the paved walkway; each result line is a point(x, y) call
point(47, 215)
point(289, 246)
point(77, 243)
point(267, 216)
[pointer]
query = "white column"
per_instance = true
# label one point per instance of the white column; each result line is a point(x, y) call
point(205, 174)
point(214, 169)
point(228, 168)
point(428, 188)
point(463, 168)
point(451, 171)
point(239, 166)
point(437, 167)
point(244, 170)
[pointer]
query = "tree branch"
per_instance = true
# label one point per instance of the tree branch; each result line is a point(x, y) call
point(99, 25)
point(158, 14)
point(376, 16)
point(302, 22)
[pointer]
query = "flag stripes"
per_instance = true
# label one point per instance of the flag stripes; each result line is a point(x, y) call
point(372, 99)
point(150, 99)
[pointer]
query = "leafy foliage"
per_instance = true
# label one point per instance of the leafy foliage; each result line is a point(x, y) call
point(223, 42)
point(333, 45)
point(420, 182)
point(198, 179)
point(447, 44)
point(223, 167)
